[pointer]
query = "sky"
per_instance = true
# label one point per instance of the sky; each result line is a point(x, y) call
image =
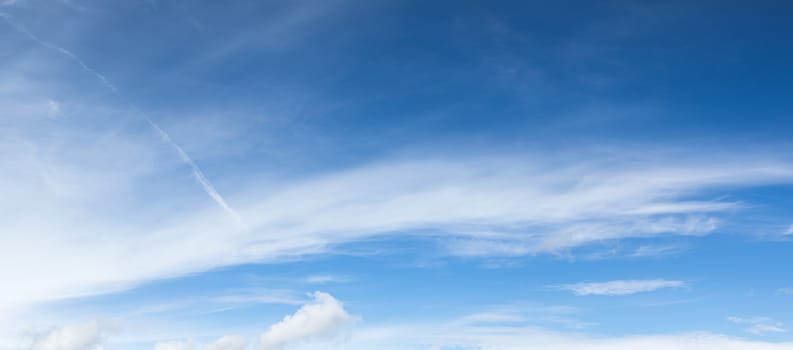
point(435, 175)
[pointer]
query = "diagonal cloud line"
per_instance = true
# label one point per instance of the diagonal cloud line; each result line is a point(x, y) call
point(72, 56)
point(197, 173)
point(199, 176)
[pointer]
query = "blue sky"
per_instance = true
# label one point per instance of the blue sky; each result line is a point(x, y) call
point(438, 175)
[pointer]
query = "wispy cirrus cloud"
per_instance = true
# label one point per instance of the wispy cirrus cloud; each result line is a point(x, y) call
point(70, 55)
point(517, 314)
point(198, 174)
point(759, 325)
point(528, 205)
point(175, 345)
point(620, 287)
point(322, 279)
point(92, 203)
point(785, 291)
point(228, 342)
point(110, 225)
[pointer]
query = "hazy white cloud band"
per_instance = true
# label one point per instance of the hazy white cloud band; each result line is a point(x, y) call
point(620, 287)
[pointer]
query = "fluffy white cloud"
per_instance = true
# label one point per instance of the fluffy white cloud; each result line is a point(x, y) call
point(759, 325)
point(85, 336)
point(620, 287)
point(321, 319)
point(228, 342)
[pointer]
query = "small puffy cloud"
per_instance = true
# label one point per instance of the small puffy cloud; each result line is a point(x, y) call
point(85, 336)
point(620, 287)
point(759, 325)
point(321, 319)
point(174, 345)
point(228, 342)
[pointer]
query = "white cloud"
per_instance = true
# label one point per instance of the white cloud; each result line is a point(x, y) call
point(322, 279)
point(759, 325)
point(516, 314)
point(240, 297)
point(197, 173)
point(85, 336)
point(620, 287)
point(785, 291)
point(493, 317)
point(228, 342)
point(760, 329)
point(175, 345)
point(526, 209)
point(321, 319)
point(529, 338)
point(110, 226)
point(789, 230)
point(53, 108)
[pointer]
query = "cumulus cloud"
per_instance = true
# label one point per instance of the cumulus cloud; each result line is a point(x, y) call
point(228, 342)
point(759, 325)
point(85, 336)
point(620, 287)
point(321, 319)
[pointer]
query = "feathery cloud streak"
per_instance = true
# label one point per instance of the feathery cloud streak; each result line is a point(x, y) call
point(620, 287)
point(538, 206)
point(197, 173)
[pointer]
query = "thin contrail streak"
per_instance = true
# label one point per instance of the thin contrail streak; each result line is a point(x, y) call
point(197, 173)
point(63, 51)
